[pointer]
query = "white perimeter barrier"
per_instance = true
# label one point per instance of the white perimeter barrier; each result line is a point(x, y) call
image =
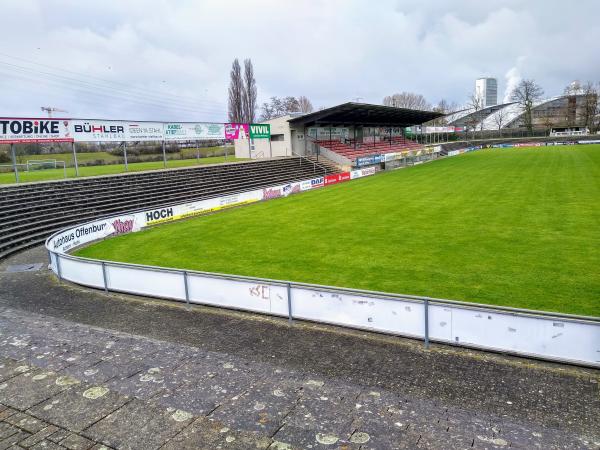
point(551, 336)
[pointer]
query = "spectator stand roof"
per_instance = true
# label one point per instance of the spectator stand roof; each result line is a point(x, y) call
point(365, 114)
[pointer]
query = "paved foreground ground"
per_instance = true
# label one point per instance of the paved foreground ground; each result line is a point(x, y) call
point(81, 369)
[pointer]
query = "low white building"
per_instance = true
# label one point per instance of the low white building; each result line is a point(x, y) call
point(285, 141)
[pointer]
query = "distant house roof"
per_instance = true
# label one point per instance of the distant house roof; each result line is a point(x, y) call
point(365, 114)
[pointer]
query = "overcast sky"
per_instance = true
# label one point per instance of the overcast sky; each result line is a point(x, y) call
point(170, 59)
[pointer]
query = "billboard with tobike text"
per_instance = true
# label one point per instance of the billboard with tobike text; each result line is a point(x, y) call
point(22, 131)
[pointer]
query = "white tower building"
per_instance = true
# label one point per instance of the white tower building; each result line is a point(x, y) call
point(486, 91)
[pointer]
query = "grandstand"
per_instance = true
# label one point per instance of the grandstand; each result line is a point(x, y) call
point(31, 212)
point(351, 149)
point(563, 111)
point(341, 133)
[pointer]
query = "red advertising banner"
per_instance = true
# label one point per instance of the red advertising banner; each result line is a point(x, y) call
point(332, 179)
point(337, 178)
point(344, 176)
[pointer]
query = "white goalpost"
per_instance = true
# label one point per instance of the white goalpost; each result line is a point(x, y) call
point(37, 164)
point(40, 164)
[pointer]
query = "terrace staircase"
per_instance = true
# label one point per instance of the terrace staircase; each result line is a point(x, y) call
point(29, 213)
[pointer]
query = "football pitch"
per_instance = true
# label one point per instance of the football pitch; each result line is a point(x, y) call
point(108, 169)
point(513, 227)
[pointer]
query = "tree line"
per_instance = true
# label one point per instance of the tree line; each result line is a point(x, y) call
point(242, 98)
point(526, 95)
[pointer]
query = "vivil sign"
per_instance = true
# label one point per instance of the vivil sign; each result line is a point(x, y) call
point(260, 131)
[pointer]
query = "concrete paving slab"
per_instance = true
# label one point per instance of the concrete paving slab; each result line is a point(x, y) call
point(30, 388)
point(208, 434)
point(139, 425)
point(78, 408)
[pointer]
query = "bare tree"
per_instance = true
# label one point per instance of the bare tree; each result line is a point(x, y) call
point(475, 104)
point(525, 95)
point(591, 106)
point(278, 107)
point(249, 92)
point(407, 100)
point(305, 104)
point(573, 88)
point(500, 118)
point(236, 94)
point(547, 122)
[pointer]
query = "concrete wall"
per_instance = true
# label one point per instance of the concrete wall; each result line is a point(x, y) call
point(293, 141)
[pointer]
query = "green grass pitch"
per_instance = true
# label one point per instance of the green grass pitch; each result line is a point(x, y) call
point(109, 169)
point(514, 227)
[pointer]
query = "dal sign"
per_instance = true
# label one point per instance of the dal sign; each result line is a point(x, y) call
point(260, 131)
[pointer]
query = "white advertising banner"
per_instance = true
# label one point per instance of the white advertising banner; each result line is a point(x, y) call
point(176, 212)
point(22, 131)
point(116, 131)
point(100, 229)
point(194, 131)
point(328, 133)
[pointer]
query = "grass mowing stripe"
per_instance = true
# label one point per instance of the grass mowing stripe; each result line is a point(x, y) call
point(515, 227)
point(109, 169)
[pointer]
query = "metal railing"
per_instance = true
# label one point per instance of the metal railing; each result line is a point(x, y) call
point(424, 317)
point(301, 157)
point(539, 334)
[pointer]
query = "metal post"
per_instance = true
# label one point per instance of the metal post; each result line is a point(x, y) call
point(271, 148)
point(198, 151)
point(104, 276)
point(187, 291)
point(289, 299)
point(305, 140)
point(75, 159)
point(58, 267)
point(65, 169)
point(14, 161)
point(125, 155)
point(426, 323)
point(164, 150)
point(249, 146)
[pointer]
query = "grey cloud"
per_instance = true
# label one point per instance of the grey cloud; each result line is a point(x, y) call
point(331, 51)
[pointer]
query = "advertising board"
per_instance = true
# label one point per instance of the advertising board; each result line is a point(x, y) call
point(193, 131)
point(116, 131)
point(99, 229)
point(22, 131)
point(236, 131)
point(177, 212)
point(260, 131)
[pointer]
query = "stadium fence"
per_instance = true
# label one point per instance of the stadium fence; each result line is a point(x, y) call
point(544, 335)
